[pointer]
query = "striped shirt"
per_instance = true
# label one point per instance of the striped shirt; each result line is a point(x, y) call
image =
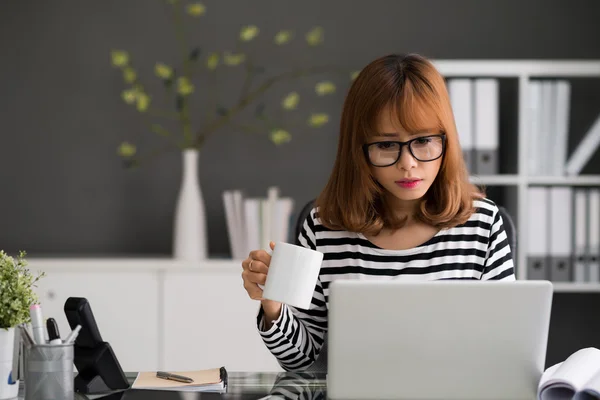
point(477, 249)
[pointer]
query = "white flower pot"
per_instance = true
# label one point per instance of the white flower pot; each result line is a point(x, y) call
point(7, 341)
point(189, 238)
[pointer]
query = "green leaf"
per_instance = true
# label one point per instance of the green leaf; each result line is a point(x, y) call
point(318, 119)
point(143, 102)
point(213, 61)
point(283, 37)
point(233, 59)
point(163, 71)
point(280, 136)
point(129, 95)
point(196, 9)
point(290, 101)
point(248, 33)
point(129, 75)
point(314, 37)
point(324, 88)
point(119, 58)
point(184, 86)
point(126, 150)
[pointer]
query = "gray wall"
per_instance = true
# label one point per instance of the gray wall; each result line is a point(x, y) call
point(64, 191)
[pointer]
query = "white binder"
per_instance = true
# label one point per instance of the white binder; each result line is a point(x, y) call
point(537, 232)
point(594, 235)
point(560, 233)
point(487, 126)
point(461, 99)
point(580, 208)
point(561, 126)
point(535, 115)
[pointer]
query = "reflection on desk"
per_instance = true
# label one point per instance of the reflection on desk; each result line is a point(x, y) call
point(242, 386)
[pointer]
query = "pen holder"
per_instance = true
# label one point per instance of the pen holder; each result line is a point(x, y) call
point(49, 372)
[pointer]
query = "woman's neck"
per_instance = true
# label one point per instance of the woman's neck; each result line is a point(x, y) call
point(403, 208)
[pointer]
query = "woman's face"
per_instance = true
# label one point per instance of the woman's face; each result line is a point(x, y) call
point(409, 178)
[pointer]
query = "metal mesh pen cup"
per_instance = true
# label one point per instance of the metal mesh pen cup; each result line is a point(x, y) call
point(49, 372)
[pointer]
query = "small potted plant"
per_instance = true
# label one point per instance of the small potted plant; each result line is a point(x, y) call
point(16, 296)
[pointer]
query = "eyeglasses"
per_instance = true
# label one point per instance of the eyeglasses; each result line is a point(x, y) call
point(424, 149)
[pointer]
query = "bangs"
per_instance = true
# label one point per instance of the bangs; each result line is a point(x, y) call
point(413, 109)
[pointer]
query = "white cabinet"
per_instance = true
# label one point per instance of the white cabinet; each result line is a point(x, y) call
point(210, 321)
point(161, 314)
point(124, 304)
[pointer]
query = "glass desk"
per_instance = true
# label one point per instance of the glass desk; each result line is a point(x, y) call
point(241, 385)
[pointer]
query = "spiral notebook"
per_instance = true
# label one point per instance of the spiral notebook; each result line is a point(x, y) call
point(208, 380)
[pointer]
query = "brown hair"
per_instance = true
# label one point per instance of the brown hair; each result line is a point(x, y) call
point(413, 89)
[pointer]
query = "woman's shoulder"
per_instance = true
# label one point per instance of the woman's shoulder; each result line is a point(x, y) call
point(485, 208)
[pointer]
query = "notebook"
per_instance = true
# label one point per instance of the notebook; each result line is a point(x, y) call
point(208, 380)
point(576, 377)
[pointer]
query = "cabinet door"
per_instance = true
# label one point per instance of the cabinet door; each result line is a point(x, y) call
point(124, 304)
point(209, 322)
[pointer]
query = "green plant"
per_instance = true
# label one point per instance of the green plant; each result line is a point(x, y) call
point(179, 86)
point(16, 290)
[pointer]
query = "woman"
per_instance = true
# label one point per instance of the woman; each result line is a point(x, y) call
point(398, 204)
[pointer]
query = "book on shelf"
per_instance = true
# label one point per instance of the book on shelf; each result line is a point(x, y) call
point(578, 377)
point(253, 222)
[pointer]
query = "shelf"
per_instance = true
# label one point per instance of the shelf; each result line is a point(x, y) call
point(576, 287)
point(564, 180)
point(515, 68)
point(496, 180)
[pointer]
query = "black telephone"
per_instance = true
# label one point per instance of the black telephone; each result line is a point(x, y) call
point(98, 369)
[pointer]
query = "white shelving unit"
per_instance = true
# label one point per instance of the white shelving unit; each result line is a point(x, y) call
point(524, 71)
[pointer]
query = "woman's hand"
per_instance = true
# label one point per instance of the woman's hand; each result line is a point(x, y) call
point(255, 269)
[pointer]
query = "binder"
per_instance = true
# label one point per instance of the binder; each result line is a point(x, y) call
point(486, 126)
point(537, 229)
point(594, 235)
point(461, 99)
point(562, 93)
point(535, 113)
point(560, 233)
point(580, 210)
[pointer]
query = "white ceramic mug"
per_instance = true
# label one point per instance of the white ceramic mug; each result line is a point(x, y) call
point(292, 275)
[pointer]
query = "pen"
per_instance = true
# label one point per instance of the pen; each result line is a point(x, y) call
point(53, 335)
point(73, 335)
point(37, 323)
point(27, 339)
point(173, 377)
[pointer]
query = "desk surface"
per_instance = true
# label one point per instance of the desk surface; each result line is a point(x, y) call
point(242, 386)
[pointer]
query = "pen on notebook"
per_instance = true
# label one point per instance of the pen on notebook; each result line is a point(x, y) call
point(53, 335)
point(174, 377)
point(73, 335)
point(37, 323)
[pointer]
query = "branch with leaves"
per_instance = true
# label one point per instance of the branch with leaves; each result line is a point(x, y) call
point(179, 87)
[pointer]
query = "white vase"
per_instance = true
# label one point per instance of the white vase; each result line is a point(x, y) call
point(189, 237)
point(7, 341)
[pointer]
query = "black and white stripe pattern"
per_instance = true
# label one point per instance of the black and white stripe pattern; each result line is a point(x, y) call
point(478, 249)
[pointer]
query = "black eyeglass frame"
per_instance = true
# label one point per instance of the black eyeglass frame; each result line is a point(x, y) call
point(402, 144)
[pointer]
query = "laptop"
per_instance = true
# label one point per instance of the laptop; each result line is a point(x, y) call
point(437, 339)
